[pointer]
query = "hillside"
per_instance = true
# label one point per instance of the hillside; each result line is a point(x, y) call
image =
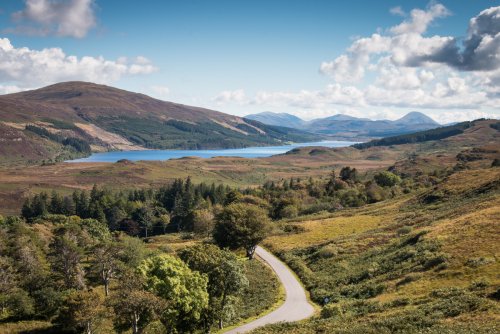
point(420, 263)
point(110, 118)
point(346, 126)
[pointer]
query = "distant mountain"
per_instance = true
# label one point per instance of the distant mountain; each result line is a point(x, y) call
point(346, 126)
point(416, 118)
point(278, 119)
point(342, 117)
point(61, 118)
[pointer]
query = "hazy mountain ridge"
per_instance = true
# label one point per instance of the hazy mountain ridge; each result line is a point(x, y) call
point(349, 126)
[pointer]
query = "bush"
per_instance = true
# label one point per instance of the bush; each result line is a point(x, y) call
point(328, 251)
point(387, 179)
point(403, 230)
point(453, 302)
point(332, 311)
point(20, 304)
point(294, 229)
point(289, 211)
point(408, 279)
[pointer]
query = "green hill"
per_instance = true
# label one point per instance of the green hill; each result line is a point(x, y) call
point(108, 118)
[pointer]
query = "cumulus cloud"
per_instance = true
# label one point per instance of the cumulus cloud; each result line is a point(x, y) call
point(235, 96)
point(401, 69)
point(72, 18)
point(409, 69)
point(420, 19)
point(24, 67)
point(480, 51)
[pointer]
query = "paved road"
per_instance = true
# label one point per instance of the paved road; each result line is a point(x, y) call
point(295, 308)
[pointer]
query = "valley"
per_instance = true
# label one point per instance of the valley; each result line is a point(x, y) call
point(249, 167)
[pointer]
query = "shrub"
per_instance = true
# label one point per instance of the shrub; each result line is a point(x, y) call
point(403, 230)
point(479, 261)
point(408, 279)
point(387, 179)
point(332, 311)
point(453, 302)
point(289, 211)
point(328, 251)
point(294, 228)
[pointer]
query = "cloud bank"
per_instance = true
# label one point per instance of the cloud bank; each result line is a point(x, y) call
point(24, 68)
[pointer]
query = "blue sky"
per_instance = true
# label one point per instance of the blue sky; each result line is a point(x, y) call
point(241, 57)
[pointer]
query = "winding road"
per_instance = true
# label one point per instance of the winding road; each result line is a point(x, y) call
point(295, 308)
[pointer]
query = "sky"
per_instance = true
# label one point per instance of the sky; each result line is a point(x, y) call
point(375, 59)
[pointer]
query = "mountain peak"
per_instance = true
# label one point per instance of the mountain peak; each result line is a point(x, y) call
point(344, 117)
point(277, 119)
point(416, 117)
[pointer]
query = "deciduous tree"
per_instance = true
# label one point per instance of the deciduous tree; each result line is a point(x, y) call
point(241, 226)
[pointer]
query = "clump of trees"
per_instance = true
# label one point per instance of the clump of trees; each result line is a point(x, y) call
point(80, 276)
point(182, 206)
point(77, 144)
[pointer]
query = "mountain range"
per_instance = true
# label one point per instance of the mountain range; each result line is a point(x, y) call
point(341, 125)
point(91, 117)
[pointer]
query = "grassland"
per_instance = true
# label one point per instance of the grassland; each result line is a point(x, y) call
point(426, 262)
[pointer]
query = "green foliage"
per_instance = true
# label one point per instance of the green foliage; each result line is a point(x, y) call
point(226, 279)
point(495, 126)
point(82, 311)
point(348, 174)
point(185, 290)
point(134, 307)
point(241, 226)
point(175, 134)
point(387, 179)
point(77, 144)
point(67, 252)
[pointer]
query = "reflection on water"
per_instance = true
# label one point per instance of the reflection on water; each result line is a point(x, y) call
point(248, 152)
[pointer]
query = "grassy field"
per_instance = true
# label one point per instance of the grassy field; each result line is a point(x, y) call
point(426, 262)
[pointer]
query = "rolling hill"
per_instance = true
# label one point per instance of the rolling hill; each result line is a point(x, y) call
point(346, 126)
point(108, 118)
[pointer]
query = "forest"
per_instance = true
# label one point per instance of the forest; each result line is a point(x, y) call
point(82, 259)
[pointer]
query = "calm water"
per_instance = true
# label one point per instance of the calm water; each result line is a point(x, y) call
point(248, 152)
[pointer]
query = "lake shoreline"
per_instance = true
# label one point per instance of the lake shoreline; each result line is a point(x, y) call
point(163, 155)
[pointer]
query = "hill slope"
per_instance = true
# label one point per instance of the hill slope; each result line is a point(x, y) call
point(111, 118)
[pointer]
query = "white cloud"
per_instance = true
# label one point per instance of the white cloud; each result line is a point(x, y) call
point(72, 18)
point(9, 89)
point(160, 91)
point(231, 96)
point(420, 19)
point(397, 11)
point(24, 67)
point(408, 69)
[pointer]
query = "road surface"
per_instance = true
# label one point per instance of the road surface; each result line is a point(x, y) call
point(295, 308)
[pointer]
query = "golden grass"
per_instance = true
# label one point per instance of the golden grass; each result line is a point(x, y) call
point(320, 231)
point(24, 326)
